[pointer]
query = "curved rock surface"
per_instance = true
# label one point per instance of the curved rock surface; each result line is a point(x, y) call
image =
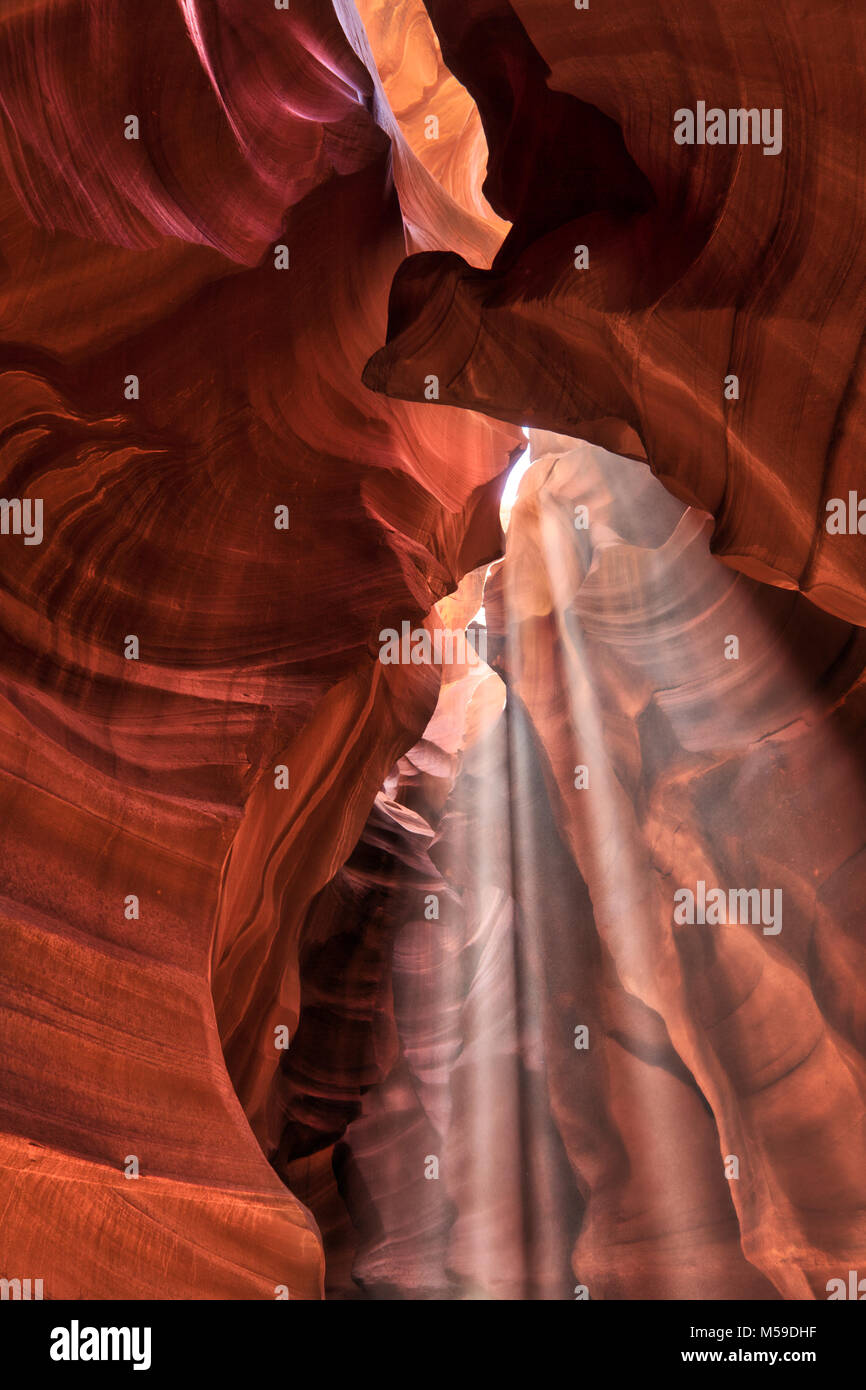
point(704, 1139)
point(154, 777)
point(323, 976)
point(641, 275)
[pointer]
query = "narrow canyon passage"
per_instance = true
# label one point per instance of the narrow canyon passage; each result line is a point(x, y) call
point(551, 1089)
point(432, 609)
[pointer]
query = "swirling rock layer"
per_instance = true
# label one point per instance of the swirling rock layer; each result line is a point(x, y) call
point(142, 1034)
point(700, 262)
point(323, 976)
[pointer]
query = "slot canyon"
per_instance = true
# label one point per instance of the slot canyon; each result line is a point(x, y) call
point(331, 976)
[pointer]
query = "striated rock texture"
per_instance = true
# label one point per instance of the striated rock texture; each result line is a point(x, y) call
point(327, 977)
point(700, 262)
point(435, 114)
point(146, 1030)
point(710, 1040)
point(602, 1163)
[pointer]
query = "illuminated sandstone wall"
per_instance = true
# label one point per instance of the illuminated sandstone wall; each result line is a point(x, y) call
point(321, 976)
